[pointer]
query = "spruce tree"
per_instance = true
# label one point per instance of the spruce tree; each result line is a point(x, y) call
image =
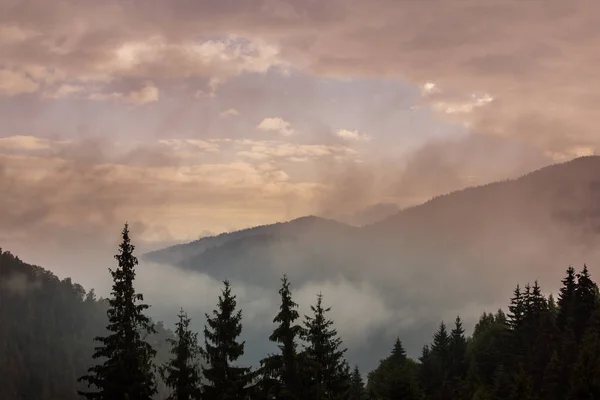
point(225, 381)
point(440, 350)
point(283, 368)
point(182, 373)
point(458, 354)
point(357, 386)
point(126, 371)
point(330, 376)
point(516, 310)
point(586, 300)
point(566, 301)
point(395, 377)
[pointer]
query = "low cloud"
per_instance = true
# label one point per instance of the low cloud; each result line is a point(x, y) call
point(278, 125)
point(146, 94)
point(232, 112)
point(352, 135)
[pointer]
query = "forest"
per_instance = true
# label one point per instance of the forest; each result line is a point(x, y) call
point(59, 342)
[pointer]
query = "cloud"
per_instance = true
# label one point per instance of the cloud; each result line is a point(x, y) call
point(352, 135)
point(146, 94)
point(191, 147)
point(278, 125)
point(16, 82)
point(263, 150)
point(232, 112)
point(28, 143)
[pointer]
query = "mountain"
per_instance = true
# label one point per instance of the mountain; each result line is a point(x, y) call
point(559, 200)
point(47, 327)
point(228, 255)
point(454, 254)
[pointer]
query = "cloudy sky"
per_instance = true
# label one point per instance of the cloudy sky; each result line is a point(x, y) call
point(189, 117)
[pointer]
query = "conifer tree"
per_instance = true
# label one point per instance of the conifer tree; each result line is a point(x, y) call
point(440, 350)
point(357, 386)
point(458, 354)
point(440, 347)
point(586, 301)
point(284, 367)
point(226, 381)
point(516, 310)
point(126, 371)
point(566, 300)
point(324, 355)
point(182, 373)
point(395, 377)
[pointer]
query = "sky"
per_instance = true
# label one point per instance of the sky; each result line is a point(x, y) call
point(188, 118)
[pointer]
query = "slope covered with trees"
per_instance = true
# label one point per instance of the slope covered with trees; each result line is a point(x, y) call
point(47, 326)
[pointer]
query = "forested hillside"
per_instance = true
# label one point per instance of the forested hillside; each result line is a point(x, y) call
point(47, 326)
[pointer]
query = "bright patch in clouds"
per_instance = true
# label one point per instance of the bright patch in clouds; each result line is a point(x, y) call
point(276, 125)
point(147, 94)
point(352, 135)
point(232, 112)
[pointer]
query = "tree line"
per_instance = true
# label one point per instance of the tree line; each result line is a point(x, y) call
point(540, 348)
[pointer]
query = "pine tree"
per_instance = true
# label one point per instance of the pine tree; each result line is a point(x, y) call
point(458, 354)
point(226, 381)
point(283, 368)
point(516, 310)
point(398, 353)
point(440, 347)
point(126, 372)
point(324, 355)
point(182, 373)
point(538, 304)
point(566, 300)
point(357, 386)
point(395, 377)
point(586, 300)
point(440, 350)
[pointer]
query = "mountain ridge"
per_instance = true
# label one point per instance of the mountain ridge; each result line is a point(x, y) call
point(195, 248)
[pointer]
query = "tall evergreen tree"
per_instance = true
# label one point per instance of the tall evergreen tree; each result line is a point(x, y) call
point(566, 300)
point(182, 373)
point(284, 367)
point(586, 301)
point(440, 350)
point(458, 354)
point(226, 381)
point(126, 371)
point(324, 355)
point(396, 377)
point(516, 309)
point(357, 386)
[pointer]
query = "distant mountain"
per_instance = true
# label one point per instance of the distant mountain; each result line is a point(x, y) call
point(369, 215)
point(454, 254)
point(229, 254)
point(549, 201)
